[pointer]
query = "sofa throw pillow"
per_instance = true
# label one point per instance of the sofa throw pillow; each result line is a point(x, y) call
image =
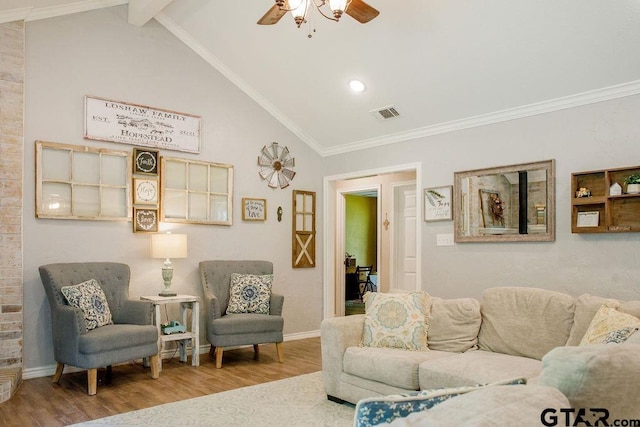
point(249, 293)
point(90, 298)
point(454, 324)
point(610, 325)
point(396, 320)
point(378, 410)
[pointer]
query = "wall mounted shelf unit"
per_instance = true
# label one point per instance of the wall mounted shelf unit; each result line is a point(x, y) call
point(602, 212)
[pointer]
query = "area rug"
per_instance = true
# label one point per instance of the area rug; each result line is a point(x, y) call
point(296, 401)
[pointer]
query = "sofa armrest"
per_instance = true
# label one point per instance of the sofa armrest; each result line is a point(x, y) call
point(336, 335)
point(134, 312)
point(68, 326)
point(275, 304)
point(596, 376)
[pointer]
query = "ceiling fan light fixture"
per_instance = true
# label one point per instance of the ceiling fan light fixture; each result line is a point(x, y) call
point(338, 7)
point(299, 11)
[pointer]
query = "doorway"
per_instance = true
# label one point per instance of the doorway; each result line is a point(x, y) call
point(384, 180)
point(361, 247)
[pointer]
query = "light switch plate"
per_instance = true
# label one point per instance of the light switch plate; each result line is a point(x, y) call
point(444, 239)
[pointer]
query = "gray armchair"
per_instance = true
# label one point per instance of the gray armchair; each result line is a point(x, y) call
point(227, 330)
point(131, 336)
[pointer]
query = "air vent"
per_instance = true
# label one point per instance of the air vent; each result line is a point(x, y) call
point(385, 113)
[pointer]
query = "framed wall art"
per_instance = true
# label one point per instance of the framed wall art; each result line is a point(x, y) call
point(438, 205)
point(126, 123)
point(254, 209)
point(145, 191)
point(145, 220)
point(145, 161)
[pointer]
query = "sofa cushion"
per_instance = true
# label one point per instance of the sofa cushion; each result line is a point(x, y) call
point(525, 322)
point(586, 307)
point(610, 326)
point(385, 409)
point(117, 337)
point(521, 405)
point(396, 320)
point(454, 324)
point(398, 368)
point(596, 376)
point(475, 367)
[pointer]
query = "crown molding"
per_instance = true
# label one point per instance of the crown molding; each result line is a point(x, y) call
point(216, 63)
point(566, 102)
point(36, 13)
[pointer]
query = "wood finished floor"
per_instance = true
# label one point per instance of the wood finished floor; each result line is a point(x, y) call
point(39, 402)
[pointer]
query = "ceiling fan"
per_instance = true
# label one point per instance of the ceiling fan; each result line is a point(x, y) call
point(357, 9)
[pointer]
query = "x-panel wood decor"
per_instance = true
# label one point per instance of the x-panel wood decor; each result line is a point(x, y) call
point(304, 229)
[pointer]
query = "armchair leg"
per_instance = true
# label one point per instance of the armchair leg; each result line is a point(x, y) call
point(155, 366)
point(219, 351)
point(256, 351)
point(58, 374)
point(212, 351)
point(280, 351)
point(92, 376)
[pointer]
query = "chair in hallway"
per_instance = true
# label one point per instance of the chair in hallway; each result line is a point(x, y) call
point(239, 328)
point(82, 342)
point(364, 280)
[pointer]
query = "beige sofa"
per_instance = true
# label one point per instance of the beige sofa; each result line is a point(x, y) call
point(504, 336)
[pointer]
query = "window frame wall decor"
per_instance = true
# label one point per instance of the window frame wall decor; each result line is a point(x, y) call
point(304, 229)
point(184, 188)
point(89, 178)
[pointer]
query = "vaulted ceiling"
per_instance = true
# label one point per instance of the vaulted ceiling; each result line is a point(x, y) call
point(443, 65)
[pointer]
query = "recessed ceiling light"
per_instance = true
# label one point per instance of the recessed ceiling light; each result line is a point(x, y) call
point(357, 86)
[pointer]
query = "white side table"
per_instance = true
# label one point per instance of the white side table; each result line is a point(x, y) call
point(186, 302)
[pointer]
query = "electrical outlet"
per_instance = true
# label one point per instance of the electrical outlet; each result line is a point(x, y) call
point(444, 239)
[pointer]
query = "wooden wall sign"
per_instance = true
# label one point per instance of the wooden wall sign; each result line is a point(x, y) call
point(304, 229)
point(126, 123)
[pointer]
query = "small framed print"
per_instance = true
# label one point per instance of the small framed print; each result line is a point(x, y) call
point(145, 161)
point(254, 209)
point(145, 191)
point(438, 203)
point(145, 220)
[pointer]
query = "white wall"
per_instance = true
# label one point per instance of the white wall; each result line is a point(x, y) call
point(98, 53)
point(597, 136)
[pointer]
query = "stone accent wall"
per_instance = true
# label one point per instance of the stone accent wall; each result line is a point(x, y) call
point(11, 164)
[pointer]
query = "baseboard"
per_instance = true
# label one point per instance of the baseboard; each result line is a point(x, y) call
point(47, 371)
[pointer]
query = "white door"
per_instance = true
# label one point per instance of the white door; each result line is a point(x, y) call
point(405, 243)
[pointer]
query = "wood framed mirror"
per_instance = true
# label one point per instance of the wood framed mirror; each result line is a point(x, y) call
point(513, 203)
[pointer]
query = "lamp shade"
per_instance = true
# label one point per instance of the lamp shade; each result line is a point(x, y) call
point(168, 245)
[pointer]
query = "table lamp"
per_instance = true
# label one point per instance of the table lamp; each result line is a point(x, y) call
point(168, 246)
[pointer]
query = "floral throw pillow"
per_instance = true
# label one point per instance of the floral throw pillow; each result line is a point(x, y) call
point(396, 320)
point(610, 325)
point(250, 293)
point(89, 297)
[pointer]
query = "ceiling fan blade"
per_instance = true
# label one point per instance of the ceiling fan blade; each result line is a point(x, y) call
point(361, 12)
point(272, 16)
